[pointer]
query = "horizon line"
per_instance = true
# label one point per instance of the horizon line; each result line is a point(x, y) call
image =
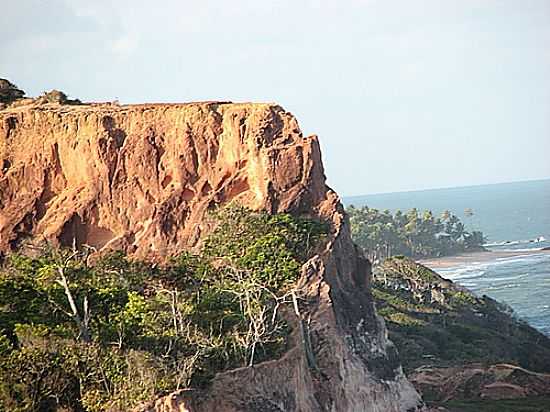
point(444, 188)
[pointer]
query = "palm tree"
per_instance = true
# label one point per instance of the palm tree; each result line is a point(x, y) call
point(459, 231)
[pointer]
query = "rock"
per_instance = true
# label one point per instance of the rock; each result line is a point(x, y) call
point(141, 178)
point(499, 381)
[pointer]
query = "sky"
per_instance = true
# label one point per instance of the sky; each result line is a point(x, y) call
point(404, 95)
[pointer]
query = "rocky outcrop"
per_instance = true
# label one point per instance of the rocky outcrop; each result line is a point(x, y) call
point(141, 178)
point(478, 382)
point(434, 321)
point(453, 345)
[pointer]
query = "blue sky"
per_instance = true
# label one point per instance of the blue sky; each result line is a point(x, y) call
point(403, 94)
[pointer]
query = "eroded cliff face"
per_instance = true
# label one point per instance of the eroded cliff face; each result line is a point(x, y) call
point(141, 178)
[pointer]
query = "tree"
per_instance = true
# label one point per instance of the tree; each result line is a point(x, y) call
point(9, 92)
point(412, 234)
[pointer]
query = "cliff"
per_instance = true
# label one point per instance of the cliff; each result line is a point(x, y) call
point(141, 178)
point(433, 320)
point(456, 346)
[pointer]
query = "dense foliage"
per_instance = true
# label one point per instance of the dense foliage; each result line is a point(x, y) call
point(382, 234)
point(433, 321)
point(91, 337)
point(9, 92)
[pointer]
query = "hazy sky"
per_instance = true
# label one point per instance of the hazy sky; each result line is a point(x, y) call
point(407, 94)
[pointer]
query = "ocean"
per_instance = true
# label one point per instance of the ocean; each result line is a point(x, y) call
point(515, 217)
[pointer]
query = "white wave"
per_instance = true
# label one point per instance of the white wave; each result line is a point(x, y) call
point(531, 249)
point(538, 239)
point(454, 272)
point(508, 242)
point(500, 287)
point(457, 269)
point(464, 274)
point(478, 269)
point(525, 259)
point(506, 278)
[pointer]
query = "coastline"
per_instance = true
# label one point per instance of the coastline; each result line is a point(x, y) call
point(446, 262)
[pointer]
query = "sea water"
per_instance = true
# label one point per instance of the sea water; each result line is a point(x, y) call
point(514, 217)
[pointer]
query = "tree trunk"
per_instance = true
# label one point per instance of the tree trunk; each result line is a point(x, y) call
point(81, 321)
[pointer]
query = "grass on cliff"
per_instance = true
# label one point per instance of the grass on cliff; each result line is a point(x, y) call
point(433, 321)
point(81, 337)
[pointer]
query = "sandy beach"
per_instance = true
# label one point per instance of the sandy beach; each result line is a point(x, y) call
point(476, 257)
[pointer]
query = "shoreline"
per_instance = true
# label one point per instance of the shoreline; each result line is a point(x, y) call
point(446, 262)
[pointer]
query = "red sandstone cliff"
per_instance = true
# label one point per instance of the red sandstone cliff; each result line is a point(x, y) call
point(140, 178)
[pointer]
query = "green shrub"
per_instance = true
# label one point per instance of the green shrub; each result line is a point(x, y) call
point(107, 336)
